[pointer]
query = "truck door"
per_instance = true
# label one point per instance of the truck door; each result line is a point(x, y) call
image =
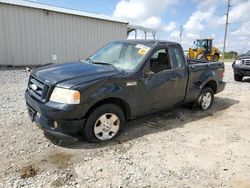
point(180, 72)
point(157, 90)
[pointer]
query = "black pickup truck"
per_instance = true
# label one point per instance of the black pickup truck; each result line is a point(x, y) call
point(241, 66)
point(121, 81)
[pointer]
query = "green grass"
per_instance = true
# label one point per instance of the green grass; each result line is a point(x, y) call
point(228, 60)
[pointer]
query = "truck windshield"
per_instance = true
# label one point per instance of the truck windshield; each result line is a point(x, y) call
point(248, 52)
point(121, 55)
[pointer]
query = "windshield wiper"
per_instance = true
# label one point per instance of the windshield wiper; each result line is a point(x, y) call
point(88, 59)
point(109, 64)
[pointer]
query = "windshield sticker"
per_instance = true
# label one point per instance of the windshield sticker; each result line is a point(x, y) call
point(143, 51)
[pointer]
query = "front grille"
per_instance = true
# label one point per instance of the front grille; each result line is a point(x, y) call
point(38, 89)
point(246, 62)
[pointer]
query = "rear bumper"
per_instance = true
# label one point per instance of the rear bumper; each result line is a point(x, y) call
point(52, 120)
point(221, 86)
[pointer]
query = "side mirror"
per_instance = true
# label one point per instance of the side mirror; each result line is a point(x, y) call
point(148, 74)
point(146, 71)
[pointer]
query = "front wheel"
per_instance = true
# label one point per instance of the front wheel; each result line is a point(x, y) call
point(206, 98)
point(103, 123)
point(238, 77)
point(216, 57)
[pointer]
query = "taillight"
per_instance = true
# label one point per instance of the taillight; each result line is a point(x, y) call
point(222, 74)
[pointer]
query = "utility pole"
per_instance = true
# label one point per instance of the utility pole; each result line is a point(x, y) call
point(225, 35)
point(181, 32)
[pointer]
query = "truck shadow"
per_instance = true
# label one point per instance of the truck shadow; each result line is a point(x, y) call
point(163, 121)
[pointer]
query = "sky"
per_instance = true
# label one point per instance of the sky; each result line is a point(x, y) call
point(199, 18)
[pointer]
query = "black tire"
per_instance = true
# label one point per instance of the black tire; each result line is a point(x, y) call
point(216, 57)
point(201, 102)
point(88, 128)
point(191, 105)
point(238, 77)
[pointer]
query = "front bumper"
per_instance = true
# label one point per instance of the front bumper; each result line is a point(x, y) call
point(52, 119)
point(243, 71)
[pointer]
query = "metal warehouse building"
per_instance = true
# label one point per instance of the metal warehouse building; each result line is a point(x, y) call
point(32, 33)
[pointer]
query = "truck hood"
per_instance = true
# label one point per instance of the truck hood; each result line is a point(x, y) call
point(244, 57)
point(73, 73)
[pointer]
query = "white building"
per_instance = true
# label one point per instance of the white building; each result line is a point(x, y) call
point(33, 33)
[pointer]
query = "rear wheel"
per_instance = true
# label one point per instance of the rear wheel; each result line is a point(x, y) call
point(103, 123)
point(206, 98)
point(238, 77)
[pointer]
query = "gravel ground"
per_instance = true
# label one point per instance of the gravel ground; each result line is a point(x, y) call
point(176, 148)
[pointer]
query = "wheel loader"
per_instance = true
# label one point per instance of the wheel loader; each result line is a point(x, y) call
point(204, 50)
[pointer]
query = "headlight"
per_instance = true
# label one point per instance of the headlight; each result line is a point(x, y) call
point(65, 96)
point(238, 62)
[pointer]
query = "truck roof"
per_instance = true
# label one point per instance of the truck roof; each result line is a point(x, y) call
point(147, 42)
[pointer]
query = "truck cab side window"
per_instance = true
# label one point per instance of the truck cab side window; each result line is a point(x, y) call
point(159, 61)
point(176, 57)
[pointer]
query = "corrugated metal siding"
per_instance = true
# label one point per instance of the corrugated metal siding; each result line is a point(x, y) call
point(31, 36)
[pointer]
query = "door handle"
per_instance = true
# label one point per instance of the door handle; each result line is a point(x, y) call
point(173, 78)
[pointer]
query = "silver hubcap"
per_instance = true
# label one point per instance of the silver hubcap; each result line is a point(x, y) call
point(106, 126)
point(206, 100)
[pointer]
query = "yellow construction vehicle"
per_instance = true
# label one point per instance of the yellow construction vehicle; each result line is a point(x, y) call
point(204, 50)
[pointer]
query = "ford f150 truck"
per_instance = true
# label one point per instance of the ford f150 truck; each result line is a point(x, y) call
point(121, 81)
point(242, 66)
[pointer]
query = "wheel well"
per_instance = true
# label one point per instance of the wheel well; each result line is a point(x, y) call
point(217, 54)
point(112, 100)
point(212, 84)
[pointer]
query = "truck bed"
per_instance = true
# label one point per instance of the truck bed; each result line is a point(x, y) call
point(198, 72)
point(195, 63)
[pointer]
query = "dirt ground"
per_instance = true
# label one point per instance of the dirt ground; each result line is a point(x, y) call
point(176, 148)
